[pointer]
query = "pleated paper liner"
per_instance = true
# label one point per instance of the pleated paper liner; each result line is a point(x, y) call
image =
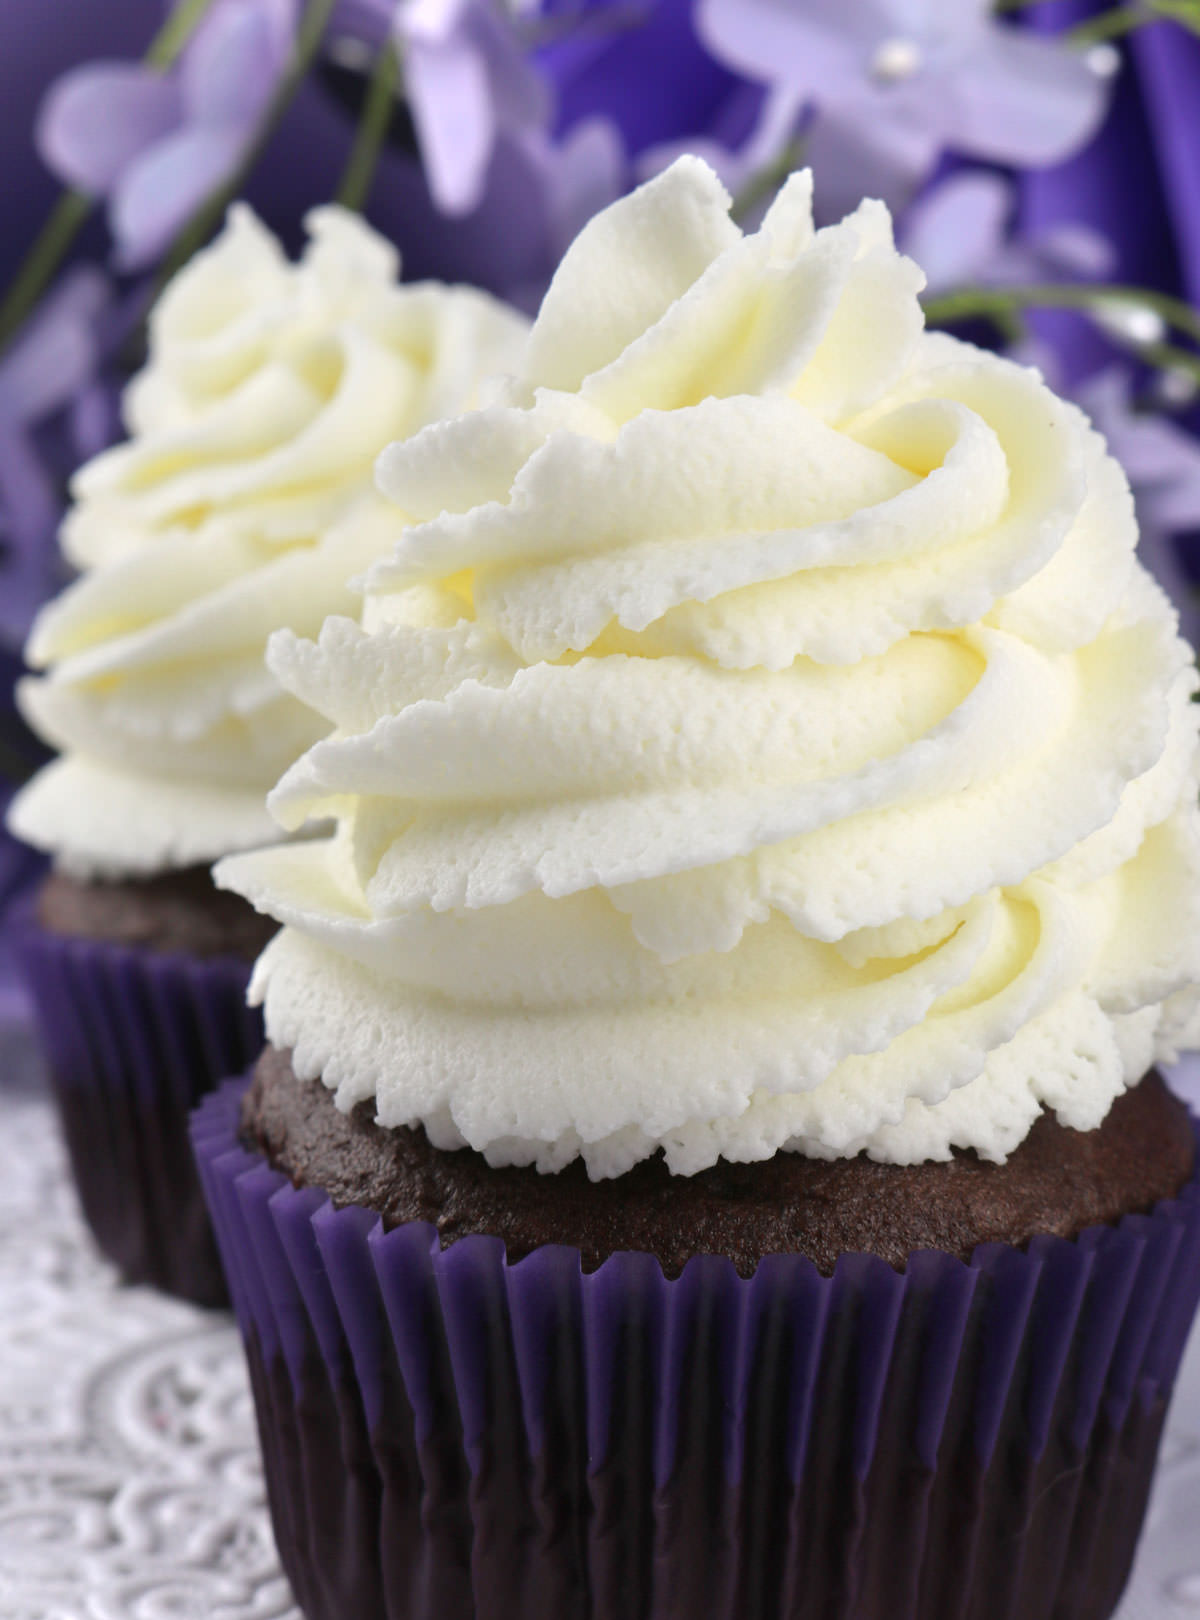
point(451, 1437)
point(21, 869)
point(133, 1040)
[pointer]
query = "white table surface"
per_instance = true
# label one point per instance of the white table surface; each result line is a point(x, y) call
point(130, 1486)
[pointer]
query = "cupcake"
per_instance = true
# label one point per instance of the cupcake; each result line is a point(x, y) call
point(242, 502)
point(709, 1160)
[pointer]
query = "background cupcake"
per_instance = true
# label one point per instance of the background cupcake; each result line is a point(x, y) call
point(242, 502)
point(761, 764)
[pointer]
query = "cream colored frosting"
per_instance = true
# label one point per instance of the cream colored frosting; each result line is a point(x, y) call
point(762, 738)
point(242, 502)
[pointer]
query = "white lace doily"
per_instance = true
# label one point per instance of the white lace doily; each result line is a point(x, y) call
point(130, 1486)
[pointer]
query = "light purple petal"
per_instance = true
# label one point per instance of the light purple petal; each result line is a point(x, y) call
point(431, 22)
point(56, 352)
point(29, 514)
point(1161, 459)
point(451, 103)
point(1075, 250)
point(854, 157)
point(232, 67)
point(162, 191)
point(1023, 100)
point(584, 173)
point(98, 119)
point(95, 419)
point(520, 96)
point(810, 47)
point(928, 18)
point(955, 231)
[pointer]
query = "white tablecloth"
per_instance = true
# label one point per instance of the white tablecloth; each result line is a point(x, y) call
point(129, 1478)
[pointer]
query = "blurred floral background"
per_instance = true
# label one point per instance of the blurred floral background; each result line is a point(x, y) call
point(1042, 160)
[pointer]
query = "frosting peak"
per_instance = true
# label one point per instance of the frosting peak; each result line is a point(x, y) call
point(762, 736)
point(243, 501)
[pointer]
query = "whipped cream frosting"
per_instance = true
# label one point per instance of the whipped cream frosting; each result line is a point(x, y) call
point(242, 502)
point(763, 736)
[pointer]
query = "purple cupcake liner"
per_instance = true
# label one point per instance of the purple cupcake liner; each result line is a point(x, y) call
point(21, 868)
point(448, 1436)
point(133, 1039)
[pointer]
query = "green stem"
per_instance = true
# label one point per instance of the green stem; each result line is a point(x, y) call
point(1114, 24)
point(767, 179)
point(309, 38)
point(993, 301)
point(50, 247)
point(1185, 12)
point(167, 45)
point(1120, 20)
point(1169, 357)
point(71, 211)
point(1125, 19)
point(359, 175)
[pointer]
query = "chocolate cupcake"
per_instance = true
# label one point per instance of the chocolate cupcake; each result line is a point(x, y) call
point(243, 501)
point(708, 1161)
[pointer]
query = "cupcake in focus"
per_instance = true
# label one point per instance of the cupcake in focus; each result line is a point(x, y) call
point(709, 1159)
point(242, 502)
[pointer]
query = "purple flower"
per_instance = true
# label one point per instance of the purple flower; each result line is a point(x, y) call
point(896, 82)
point(959, 233)
point(156, 145)
point(571, 179)
point(39, 43)
point(50, 370)
point(1162, 462)
point(505, 183)
point(468, 81)
point(641, 65)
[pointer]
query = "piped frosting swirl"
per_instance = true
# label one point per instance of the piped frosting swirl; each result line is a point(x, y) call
point(242, 502)
point(763, 736)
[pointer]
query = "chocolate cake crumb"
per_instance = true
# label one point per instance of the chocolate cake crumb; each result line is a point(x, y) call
point(1058, 1181)
point(181, 911)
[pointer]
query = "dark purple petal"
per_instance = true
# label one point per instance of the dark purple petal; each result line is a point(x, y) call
point(98, 119)
point(164, 188)
point(1169, 61)
point(640, 65)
